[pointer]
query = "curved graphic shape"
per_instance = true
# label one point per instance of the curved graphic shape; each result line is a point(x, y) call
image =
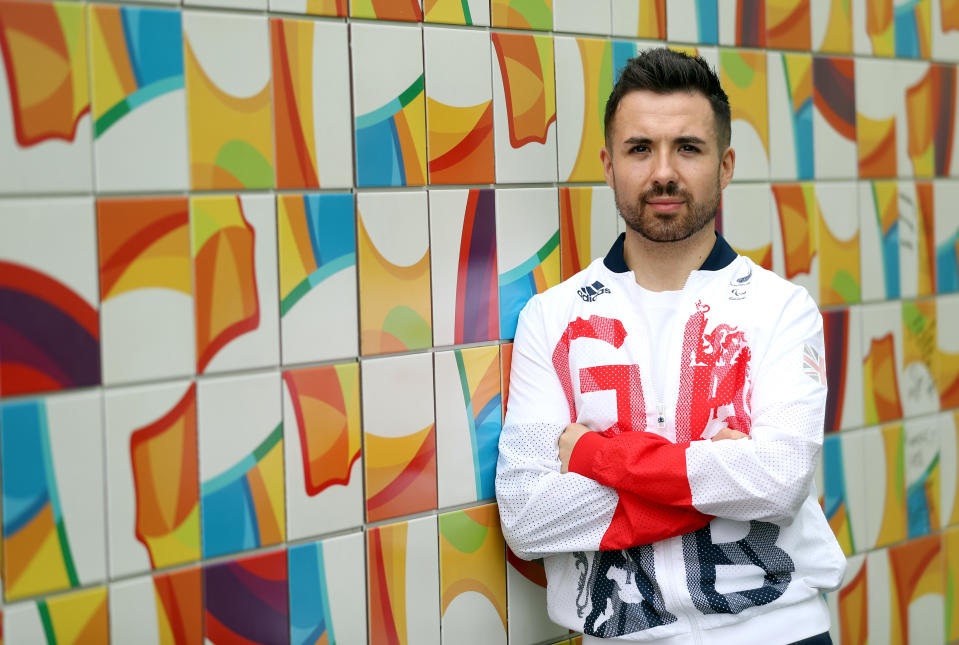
point(395, 307)
point(522, 14)
point(920, 104)
point(246, 600)
point(231, 139)
point(526, 67)
point(538, 273)
point(472, 558)
point(799, 83)
point(326, 8)
point(479, 379)
point(652, 21)
point(948, 381)
point(853, 607)
point(317, 240)
point(36, 543)
point(391, 141)
point(400, 474)
point(922, 502)
point(179, 605)
point(477, 299)
point(838, 37)
point(836, 337)
point(750, 23)
point(943, 116)
point(63, 352)
point(926, 238)
point(386, 554)
point(293, 101)
point(242, 507)
point(44, 50)
point(150, 250)
point(796, 206)
point(880, 27)
point(893, 526)
point(744, 79)
point(326, 401)
point(835, 94)
point(915, 571)
point(880, 382)
point(596, 59)
point(456, 12)
point(877, 146)
point(532, 570)
point(227, 302)
point(165, 464)
point(310, 616)
point(461, 143)
point(575, 218)
point(836, 502)
point(137, 55)
point(788, 24)
point(839, 278)
point(77, 618)
point(408, 10)
point(913, 29)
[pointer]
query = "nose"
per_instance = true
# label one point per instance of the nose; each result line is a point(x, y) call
point(664, 172)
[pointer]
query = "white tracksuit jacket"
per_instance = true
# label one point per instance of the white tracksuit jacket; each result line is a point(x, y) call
point(657, 533)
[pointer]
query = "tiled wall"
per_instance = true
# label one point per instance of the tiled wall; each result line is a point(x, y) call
point(260, 266)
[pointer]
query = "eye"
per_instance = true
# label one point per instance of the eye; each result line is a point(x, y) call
point(639, 148)
point(688, 147)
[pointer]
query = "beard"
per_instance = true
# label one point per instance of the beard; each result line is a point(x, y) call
point(676, 226)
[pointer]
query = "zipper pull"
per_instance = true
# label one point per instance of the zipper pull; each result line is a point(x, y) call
point(660, 416)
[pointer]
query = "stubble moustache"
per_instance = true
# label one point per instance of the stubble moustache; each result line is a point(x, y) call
point(669, 228)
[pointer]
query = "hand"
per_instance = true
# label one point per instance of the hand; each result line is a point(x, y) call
point(729, 433)
point(567, 441)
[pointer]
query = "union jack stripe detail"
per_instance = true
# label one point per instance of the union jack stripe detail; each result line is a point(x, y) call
point(813, 365)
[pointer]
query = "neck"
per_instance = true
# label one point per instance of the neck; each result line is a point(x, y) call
point(665, 266)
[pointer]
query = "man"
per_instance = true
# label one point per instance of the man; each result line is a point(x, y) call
point(666, 404)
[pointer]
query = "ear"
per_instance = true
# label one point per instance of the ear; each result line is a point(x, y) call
point(607, 158)
point(726, 166)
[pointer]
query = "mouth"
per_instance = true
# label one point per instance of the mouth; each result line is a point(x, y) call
point(661, 205)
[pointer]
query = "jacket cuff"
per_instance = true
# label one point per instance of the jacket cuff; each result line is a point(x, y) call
point(584, 454)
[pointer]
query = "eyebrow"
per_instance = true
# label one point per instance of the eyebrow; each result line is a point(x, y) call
point(685, 139)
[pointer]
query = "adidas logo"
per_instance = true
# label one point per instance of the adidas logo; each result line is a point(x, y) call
point(590, 292)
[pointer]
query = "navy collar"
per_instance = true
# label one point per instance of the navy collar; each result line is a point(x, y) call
point(720, 257)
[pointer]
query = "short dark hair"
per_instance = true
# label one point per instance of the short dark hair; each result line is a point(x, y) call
point(664, 71)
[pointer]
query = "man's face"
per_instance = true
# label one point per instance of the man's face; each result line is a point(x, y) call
point(663, 163)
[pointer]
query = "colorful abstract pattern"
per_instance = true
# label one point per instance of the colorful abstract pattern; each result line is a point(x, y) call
point(390, 135)
point(574, 229)
point(76, 618)
point(853, 606)
point(920, 218)
point(227, 302)
point(179, 606)
point(460, 143)
point(165, 463)
point(36, 541)
point(400, 473)
point(473, 559)
point(310, 616)
point(395, 313)
point(298, 129)
point(880, 27)
point(920, 357)
point(921, 102)
point(246, 600)
point(834, 99)
point(838, 35)
point(835, 500)
point(408, 10)
point(916, 569)
point(839, 271)
point(526, 67)
point(522, 14)
point(836, 336)
point(788, 24)
point(877, 146)
point(517, 285)
point(479, 378)
point(326, 401)
point(743, 76)
point(798, 70)
point(136, 56)
point(652, 20)
point(231, 138)
point(701, 27)
point(880, 381)
point(913, 29)
point(796, 207)
point(44, 46)
point(242, 507)
point(923, 477)
point(317, 239)
point(750, 21)
point(882, 207)
point(948, 376)
point(476, 286)
point(506, 357)
point(943, 119)
point(596, 70)
point(148, 250)
point(893, 524)
point(326, 8)
point(62, 353)
point(402, 560)
point(456, 12)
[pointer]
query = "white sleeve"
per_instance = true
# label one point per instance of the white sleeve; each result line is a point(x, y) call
point(542, 511)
